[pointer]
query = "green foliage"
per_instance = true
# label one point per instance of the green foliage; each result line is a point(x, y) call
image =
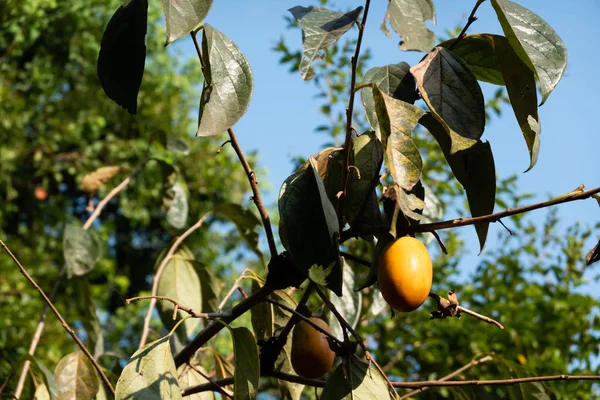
point(65, 145)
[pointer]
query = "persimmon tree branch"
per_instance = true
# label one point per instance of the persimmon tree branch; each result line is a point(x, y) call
point(60, 318)
point(450, 375)
point(448, 308)
point(349, 112)
point(472, 18)
point(578, 194)
point(179, 306)
point(159, 272)
point(42, 321)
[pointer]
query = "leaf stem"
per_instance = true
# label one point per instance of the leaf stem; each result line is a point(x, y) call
point(472, 18)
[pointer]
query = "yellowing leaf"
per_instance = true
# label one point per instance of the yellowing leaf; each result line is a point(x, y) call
point(92, 181)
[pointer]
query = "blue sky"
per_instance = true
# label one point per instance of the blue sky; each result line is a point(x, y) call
point(283, 113)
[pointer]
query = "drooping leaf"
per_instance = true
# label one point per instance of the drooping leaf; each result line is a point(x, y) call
point(520, 85)
point(82, 248)
point(183, 16)
point(321, 28)
point(329, 163)
point(180, 282)
point(247, 369)
point(123, 54)
point(453, 95)
point(394, 80)
point(309, 227)
point(478, 53)
point(193, 378)
point(407, 18)
point(92, 181)
point(46, 374)
point(177, 212)
point(228, 84)
point(89, 317)
point(150, 374)
point(177, 145)
point(538, 45)
point(359, 381)
point(246, 222)
point(76, 377)
point(475, 170)
point(361, 206)
point(349, 304)
point(396, 121)
point(262, 318)
point(223, 368)
point(209, 286)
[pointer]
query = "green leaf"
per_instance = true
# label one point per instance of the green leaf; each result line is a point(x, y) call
point(309, 228)
point(261, 316)
point(520, 85)
point(453, 95)
point(88, 317)
point(123, 54)
point(396, 122)
point(247, 369)
point(349, 304)
point(180, 282)
point(361, 207)
point(478, 53)
point(177, 145)
point(47, 376)
point(407, 18)
point(82, 248)
point(329, 163)
point(177, 212)
point(474, 168)
point(535, 42)
point(289, 390)
point(209, 286)
point(183, 16)
point(194, 378)
point(228, 84)
point(357, 382)
point(246, 222)
point(394, 80)
point(76, 377)
point(150, 374)
point(321, 28)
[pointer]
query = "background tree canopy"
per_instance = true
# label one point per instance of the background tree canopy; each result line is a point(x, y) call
point(59, 131)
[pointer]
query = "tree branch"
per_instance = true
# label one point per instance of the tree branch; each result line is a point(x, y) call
point(349, 112)
point(61, 319)
point(159, 272)
point(42, 321)
point(447, 308)
point(472, 18)
point(179, 306)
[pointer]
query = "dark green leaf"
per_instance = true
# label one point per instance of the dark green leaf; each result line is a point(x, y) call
point(76, 377)
point(453, 95)
point(520, 85)
point(228, 84)
point(396, 121)
point(535, 42)
point(321, 28)
point(262, 317)
point(357, 381)
point(180, 282)
point(182, 16)
point(394, 80)
point(123, 54)
point(330, 165)
point(82, 248)
point(209, 286)
point(478, 53)
point(89, 317)
point(349, 304)
point(308, 227)
point(247, 370)
point(475, 170)
point(177, 212)
point(150, 374)
point(246, 222)
point(407, 18)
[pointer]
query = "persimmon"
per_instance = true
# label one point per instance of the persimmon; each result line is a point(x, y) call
point(404, 274)
point(311, 355)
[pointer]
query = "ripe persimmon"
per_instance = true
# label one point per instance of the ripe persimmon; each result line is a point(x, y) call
point(311, 355)
point(404, 274)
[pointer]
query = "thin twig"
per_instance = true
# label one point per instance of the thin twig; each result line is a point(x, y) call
point(405, 385)
point(439, 240)
point(218, 388)
point(42, 321)
point(307, 320)
point(179, 306)
point(159, 272)
point(450, 375)
point(383, 374)
point(349, 112)
point(340, 318)
point(233, 289)
point(577, 194)
point(61, 319)
point(442, 301)
point(511, 233)
point(472, 18)
point(358, 259)
point(481, 317)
